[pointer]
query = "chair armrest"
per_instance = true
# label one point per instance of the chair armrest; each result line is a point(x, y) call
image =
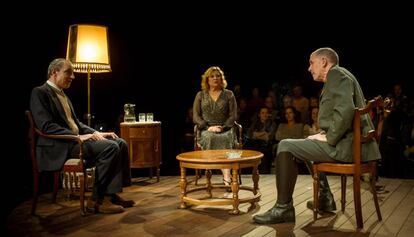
point(63, 137)
point(239, 134)
point(75, 138)
point(196, 137)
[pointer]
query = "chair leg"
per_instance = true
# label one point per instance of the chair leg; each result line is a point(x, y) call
point(315, 194)
point(35, 191)
point(197, 176)
point(240, 180)
point(55, 185)
point(82, 194)
point(357, 200)
point(343, 192)
point(374, 194)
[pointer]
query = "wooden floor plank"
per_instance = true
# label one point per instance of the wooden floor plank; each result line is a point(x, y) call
point(157, 213)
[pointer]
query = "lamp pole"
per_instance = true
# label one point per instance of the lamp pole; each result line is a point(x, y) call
point(88, 115)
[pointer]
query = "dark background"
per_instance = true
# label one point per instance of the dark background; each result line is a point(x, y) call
point(158, 55)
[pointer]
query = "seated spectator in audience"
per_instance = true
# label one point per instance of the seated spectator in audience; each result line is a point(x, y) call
point(287, 101)
point(255, 102)
point(243, 116)
point(260, 137)
point(313, 126)
point(313, 101)
point(271, 106)
point(391, 146)
point(301, 103)
point(408, 142)
point(291, 127)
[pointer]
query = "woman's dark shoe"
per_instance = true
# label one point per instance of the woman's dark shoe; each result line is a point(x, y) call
point(227, 183)
point(278, 214)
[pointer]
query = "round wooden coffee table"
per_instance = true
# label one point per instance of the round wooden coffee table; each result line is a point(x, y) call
point(218, 159)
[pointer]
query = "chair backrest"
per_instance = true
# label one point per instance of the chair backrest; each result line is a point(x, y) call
point(237, 129)
point(360, 138)
point(32, 137)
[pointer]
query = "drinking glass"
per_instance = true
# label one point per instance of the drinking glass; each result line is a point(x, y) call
point(150, 117)
point(141, 117)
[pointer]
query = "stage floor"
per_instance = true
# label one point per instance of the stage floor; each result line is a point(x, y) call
point(157, 213)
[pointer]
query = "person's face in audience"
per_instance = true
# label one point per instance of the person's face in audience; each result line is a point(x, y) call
point(290, 115)
point(297, 91)
point(397, 90)
point(242, 104)
point(264, 114)
point(269, 102)
point(287, 101)
point(314, 102)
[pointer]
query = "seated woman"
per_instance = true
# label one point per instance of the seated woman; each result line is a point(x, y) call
point(215, 111)
point(291, 127)
point(261, 135)
point(313, 127)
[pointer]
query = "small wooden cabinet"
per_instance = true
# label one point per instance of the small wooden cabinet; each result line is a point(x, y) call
point(144, 144)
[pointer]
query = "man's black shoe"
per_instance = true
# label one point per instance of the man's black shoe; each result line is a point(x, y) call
point(278, 214)
point(326, 203)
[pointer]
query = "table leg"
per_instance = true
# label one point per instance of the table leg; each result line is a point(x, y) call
point(255, 178)
point(235, 190)
point(183, 186)
point(208, 183)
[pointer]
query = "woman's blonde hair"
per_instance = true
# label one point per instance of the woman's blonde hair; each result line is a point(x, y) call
point(207, 73)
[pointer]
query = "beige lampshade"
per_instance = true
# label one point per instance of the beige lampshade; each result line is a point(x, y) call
point(88, 48)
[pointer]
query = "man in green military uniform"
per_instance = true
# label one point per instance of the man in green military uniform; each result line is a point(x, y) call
point(340, 96)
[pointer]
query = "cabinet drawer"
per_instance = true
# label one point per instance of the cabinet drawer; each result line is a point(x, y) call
point(145, 132)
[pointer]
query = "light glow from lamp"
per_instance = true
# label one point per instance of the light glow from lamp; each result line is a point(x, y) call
point(89, 52)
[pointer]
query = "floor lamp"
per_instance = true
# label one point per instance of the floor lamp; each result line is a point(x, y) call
point(88, 50)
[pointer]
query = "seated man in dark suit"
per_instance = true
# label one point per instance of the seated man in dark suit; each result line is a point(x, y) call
point(53, 114)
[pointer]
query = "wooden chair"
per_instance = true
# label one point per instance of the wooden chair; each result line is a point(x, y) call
point(237, 128)
point(74, 170)
point(356, 168)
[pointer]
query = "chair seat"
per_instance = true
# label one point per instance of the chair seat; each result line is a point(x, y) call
point(71, 180)
point(341, 168)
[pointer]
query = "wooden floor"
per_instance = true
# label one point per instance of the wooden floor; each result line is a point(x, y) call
point(156, 213)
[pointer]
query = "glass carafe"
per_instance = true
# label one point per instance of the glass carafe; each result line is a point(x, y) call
point(129, 116)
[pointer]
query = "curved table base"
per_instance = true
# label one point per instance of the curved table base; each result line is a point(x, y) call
point(235, 201)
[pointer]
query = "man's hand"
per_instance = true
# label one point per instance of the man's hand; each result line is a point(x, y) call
point(97, 136)
point(319, 136)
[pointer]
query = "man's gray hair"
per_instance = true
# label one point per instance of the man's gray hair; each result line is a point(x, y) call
point(55, 65)
point(329, 53)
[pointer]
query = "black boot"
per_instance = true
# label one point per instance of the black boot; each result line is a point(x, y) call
point(278, 214)
point(326, 199)
point(286, 174)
